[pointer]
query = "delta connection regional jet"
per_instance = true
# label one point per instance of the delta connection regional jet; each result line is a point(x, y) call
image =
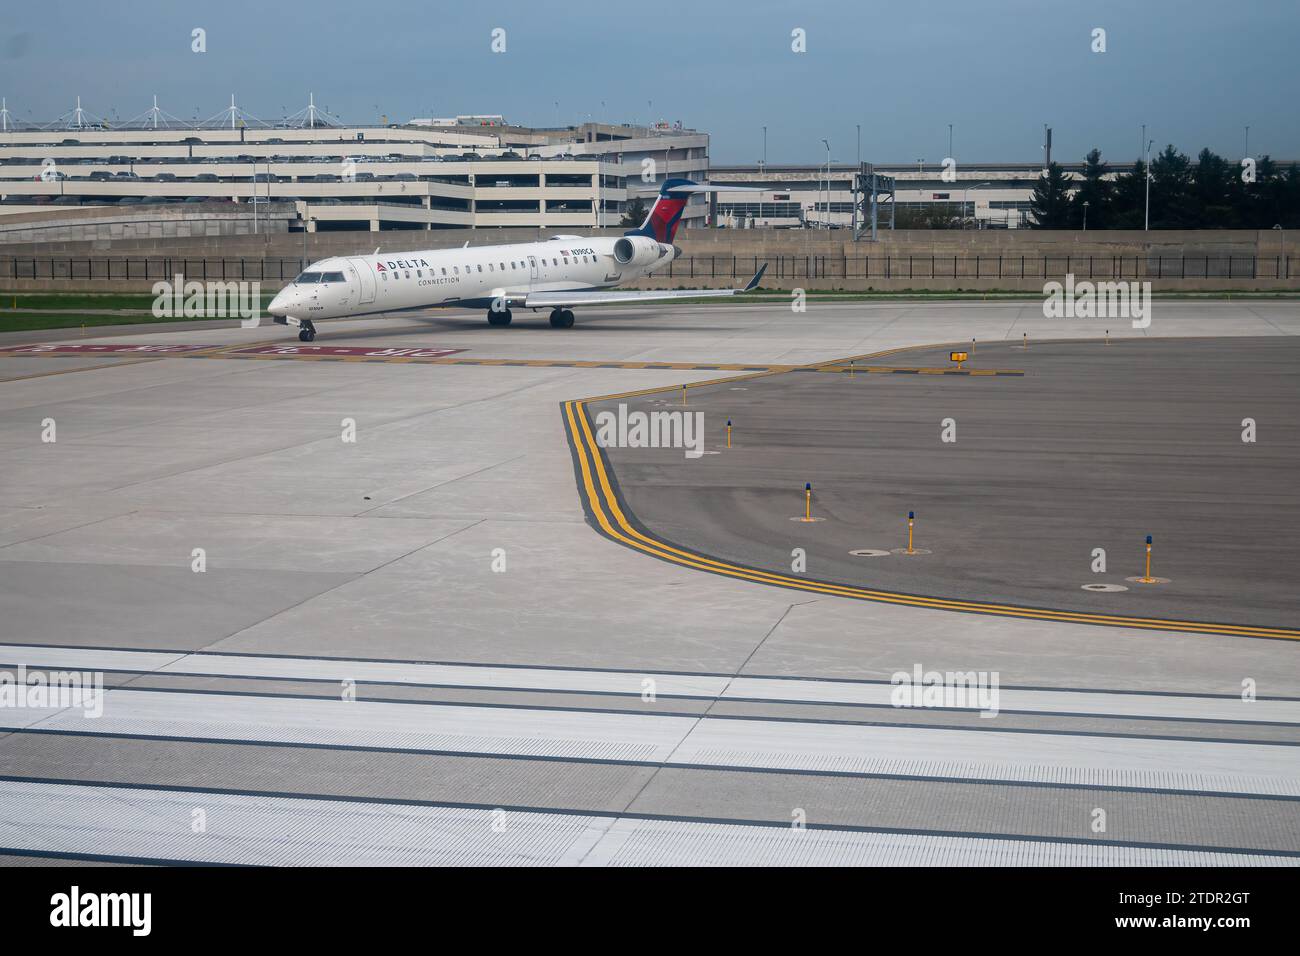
point(558, 274)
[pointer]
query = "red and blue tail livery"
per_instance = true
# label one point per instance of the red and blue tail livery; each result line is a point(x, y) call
point(666, 213)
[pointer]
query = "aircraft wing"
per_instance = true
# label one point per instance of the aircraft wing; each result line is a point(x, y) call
point(598, 297)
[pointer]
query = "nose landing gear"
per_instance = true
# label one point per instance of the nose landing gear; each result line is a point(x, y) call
point(306, 331)
point(561, 319)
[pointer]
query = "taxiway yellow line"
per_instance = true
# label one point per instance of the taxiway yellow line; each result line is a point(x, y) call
point(607, 509)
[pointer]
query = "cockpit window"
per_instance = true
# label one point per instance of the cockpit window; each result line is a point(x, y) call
point(331, 277)
point(308, 278)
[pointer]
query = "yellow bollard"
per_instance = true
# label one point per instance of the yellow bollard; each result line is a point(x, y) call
point(850, 368)
point(683, 394)
point(1108, 336)
point(911, 516)
point(728, 432)
point(1146, 578)
point(1025, 341)
point(807, 501)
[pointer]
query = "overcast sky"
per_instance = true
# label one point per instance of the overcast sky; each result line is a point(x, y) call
point(1196, 71)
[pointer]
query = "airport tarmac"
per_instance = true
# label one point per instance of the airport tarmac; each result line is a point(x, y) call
point(415, 648)
point(1018, 478)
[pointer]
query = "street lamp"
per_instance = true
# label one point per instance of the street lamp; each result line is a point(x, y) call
point(1085, 215)
point(827, 144)
point(600, 191)
point(1146, 222)
point(966, 198)
point(1281, 239)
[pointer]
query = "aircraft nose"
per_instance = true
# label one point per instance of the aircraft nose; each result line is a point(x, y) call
point(279, 306)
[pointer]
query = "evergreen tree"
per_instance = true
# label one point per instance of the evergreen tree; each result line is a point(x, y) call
point(1095, 190)
point(1214, 200)
point(1171, 191)
point(1050, 205)
point(634, 214)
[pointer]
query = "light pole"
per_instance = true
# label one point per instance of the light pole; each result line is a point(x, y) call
point(600, 191)
point(1146, 222)
point(827, 144)
point(1281, 239)
point(1085, 215)
point(764, 167)
point(966, 198)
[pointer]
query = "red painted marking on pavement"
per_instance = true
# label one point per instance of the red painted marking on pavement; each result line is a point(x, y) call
point(87, 347)
point(343, 350)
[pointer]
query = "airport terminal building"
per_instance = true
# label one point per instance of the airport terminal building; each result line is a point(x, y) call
point(991, 195)
point(459, 173)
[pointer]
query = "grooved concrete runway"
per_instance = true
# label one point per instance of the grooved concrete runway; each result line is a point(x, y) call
point(351, 681)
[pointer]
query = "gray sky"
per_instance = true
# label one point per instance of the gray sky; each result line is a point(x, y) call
point(1196, 71)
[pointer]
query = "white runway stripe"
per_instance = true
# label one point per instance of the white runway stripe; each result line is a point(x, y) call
point(789, 745)
point(802, 691)
point(289, 831)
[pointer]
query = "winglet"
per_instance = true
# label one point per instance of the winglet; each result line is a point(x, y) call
point(753, 283)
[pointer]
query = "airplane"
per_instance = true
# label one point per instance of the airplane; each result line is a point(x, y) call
point(556, 274)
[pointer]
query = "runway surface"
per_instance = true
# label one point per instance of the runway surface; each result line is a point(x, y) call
point(1028, 488)
point(414, 648)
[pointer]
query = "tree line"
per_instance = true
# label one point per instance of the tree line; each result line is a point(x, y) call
point(1212, 193)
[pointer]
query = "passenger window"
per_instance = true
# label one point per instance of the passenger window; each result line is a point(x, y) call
point(419, 274)
point(480, 268)
point(444, 271)
point(490, 269)
point(512, 265)
point(503, 267)
point(455, 269)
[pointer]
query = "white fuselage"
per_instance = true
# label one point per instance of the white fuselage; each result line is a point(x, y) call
point(473, 277)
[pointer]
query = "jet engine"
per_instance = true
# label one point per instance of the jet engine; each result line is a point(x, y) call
point(637, 251)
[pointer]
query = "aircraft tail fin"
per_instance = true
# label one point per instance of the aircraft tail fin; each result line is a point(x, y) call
point(666, 214)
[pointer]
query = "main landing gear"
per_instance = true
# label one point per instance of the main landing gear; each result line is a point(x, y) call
point(560, 318)
point(306, 331)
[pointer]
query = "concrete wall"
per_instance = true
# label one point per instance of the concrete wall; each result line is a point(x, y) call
point(916, 259)
point(46, 228)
